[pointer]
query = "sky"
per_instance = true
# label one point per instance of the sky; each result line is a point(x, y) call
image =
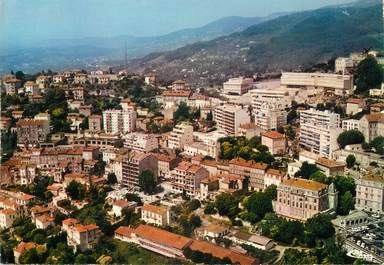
point(24, 21)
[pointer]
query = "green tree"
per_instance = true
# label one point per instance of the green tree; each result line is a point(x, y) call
point(210, 209)
point(84, 125)
point(344, 184)
point(147, 182)
point(75, 190)
point(306, 170)
point(346, 203)
point(320, 177)
point(350, 137)
point(378, 145)
point(111, 178)
point(351, 160)
point(320, 226)
point(271, 192)
point(257, 205)
point(182, 112)
point(368, 75)
point(195, 220)
point(31, 256)
point(226, 204)
point(290, 133)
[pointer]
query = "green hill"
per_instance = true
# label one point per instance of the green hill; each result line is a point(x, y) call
point(288, 42)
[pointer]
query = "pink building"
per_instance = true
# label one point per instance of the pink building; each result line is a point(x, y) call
point(301, 199)
point(275, 142)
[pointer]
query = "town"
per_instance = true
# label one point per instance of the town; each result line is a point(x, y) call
point(108, 166)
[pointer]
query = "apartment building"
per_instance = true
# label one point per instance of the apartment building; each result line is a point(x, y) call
point(134, 164)
point(370, 193)
point(7, 216)
point(210, 140)
point(157, 215)
point(343, 65)
point(229, 117)
point(165, 164)
point(372, 126)
point(141, 142)
point(269, 113)
point(119, 121)
point(248, 130)
point(31, 88)
point(301, 199)
point(181, 135)
point(186, 177)
point(172, 98)
point(81, 237)
point(249, 169)
point(350, 124)
point(319, 131)
point(354, 105)
point(95, 123)
point(31, 132)
point(275, 141)
point(340, 85)
point(237, 86)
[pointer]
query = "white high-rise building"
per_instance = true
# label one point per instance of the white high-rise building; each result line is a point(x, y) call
point(269, 113)
point(119, 121)
point(319, 131)
point(229, 117)
point(181, 135)
point(237, 86)
point(343, 64)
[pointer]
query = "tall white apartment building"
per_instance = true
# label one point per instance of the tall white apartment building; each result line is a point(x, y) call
point(229, 117)
point(210, 140)
point(181, 135)
point(237, 86)
point(269, 113)
point(119, 121)
point(370, 193)
point(141, 141)
point(319, 131)
point(338, 84)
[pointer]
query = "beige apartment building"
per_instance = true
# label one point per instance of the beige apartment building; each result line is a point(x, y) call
point(134, 164)
point(181, 135)
point(186, 177)
point(141, 142)
point(275, 141)
point(229, 117)
point(319, 131)
point(95, 123)
point(301, 199)
point(249, 169)
point(165, 164)
point(32, 132)
point(237, 86)
point(372, 126)
point(370, 193)
point(81, 237)
point(340, 85)
point(157, 215)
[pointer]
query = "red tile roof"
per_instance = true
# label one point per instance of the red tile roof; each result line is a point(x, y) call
point(154, 209)
point(273, 135)
point(23, 246)
point(162, 237)
point(304, 184)
point(220, 252)
point(245, 163)
point(125, 231)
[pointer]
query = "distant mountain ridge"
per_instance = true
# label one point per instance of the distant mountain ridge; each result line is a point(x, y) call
point(287, 42)
point(83, 52)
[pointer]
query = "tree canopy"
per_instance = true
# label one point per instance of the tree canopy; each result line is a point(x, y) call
point(350, 137)
point(147, 182)
point(368, 75)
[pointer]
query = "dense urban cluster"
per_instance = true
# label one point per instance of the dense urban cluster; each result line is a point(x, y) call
point(112, 167)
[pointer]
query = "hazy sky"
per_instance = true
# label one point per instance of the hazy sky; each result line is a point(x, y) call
point(34, 20)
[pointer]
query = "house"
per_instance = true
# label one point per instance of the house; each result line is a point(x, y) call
point(330, 167)
point(124, 233)
point(212, 231)
point(273, 177)
point(370, 193)
point(248, 130)
point(257, 241)
point(372, 126)
point(230, 182)
point(80, 236)
point(165, 164)
point(32, 132)
point(7, 216)
point(355, 105)
point(275, 141)
point(155, 215)
point(43, 221)
point(119, 205)
point(21, 248)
